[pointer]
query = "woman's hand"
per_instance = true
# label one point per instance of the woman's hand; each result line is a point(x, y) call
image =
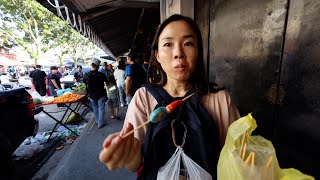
point(121, 152)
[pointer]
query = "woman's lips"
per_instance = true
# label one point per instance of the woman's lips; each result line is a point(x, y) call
point(180, 67)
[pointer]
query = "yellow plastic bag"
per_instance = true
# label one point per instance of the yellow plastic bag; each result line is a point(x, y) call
point(251, 157)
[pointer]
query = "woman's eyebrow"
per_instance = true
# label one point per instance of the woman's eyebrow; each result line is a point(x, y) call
point(185, 36)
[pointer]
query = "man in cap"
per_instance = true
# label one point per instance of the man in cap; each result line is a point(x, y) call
point(95, 82)
point(38, 80)
point(104, 69)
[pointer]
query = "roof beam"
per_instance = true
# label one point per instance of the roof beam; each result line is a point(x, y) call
point(101, 12)
point(131, 4)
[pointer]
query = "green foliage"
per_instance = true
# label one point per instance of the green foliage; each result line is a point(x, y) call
point(40, 30)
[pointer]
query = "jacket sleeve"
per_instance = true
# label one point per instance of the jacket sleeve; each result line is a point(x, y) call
point(222, 110)
point(139, 109)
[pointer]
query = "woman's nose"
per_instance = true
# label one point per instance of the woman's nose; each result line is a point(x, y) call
point(179, 53)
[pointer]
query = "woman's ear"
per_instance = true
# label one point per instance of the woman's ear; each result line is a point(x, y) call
point(156, 55)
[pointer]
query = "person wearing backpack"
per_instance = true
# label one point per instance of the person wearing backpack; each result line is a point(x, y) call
point(199, 125)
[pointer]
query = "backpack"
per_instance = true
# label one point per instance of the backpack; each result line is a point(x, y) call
point(201, 142)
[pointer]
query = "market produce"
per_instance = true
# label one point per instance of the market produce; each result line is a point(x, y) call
point(36, 101)
point(65, 98)
point(159, 113)
point(80, 89)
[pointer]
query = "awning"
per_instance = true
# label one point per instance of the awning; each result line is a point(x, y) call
point(116, 26)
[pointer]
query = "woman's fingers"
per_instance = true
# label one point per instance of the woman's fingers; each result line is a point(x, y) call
point(109, 139)
point(127, 149)
point(110, 145)
point(120, 152)
point(134, 160)
point(127, 129)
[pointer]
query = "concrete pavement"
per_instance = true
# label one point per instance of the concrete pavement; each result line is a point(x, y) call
point(81, 159)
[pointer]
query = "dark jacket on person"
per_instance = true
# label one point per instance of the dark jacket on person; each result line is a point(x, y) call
point(94, 81)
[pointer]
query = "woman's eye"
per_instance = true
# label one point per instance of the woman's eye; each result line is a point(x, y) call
point(167, 44)
point(188, 44)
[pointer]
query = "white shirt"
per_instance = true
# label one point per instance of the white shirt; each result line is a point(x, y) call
point(119, 75)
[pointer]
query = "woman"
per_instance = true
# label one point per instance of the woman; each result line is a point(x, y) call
point(120, 76)
point(177, 53)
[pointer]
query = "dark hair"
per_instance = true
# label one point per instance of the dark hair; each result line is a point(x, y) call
point(53, 67)
point(79, 66)
point(132, 56)
point(122, 65)
point(112, 80)
point(38, 66)
point(198, 79)
point(93, 65)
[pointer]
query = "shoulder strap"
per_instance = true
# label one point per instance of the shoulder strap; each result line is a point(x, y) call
point(162, 97)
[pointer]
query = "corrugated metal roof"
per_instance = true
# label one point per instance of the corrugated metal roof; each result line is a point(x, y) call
point(117, 25)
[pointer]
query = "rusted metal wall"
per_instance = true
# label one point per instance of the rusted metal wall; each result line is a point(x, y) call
point(245, 44)
point(298, 130)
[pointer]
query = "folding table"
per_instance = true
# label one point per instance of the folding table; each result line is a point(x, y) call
point(69, 109)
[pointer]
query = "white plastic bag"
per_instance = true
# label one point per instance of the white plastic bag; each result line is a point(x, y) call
point(171, 170)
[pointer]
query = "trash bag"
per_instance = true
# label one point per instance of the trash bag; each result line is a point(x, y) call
point(251, 157)
point(192, 171)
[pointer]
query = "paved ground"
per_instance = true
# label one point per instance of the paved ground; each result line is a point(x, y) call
point(80, 159)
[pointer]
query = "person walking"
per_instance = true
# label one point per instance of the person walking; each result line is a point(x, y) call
point(135, 76)
point(38, 80)
point(119, 75)
point(104, 69)
point(113, 97)
point(95, 82)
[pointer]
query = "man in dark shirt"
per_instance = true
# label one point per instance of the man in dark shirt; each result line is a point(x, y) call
point(55, 80)
point(95, 82)
point(78, 76)
point(38, 80)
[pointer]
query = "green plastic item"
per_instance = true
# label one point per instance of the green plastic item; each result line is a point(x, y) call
point(73, 118)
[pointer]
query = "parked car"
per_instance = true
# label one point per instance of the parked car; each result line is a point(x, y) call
point(67, 81)
point(25, 81)
point(15, 127)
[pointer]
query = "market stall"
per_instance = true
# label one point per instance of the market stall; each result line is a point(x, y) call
point(66, 100)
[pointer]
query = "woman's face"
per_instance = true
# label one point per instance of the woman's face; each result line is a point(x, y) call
point(177, 50)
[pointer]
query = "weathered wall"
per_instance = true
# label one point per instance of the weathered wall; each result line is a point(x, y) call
point(245, 44)
point(245, 41)
point(299, 116)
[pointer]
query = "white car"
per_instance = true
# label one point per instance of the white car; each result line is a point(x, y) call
point(25, 82)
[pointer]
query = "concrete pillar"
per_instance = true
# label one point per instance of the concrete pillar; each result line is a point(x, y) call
point(170, 7)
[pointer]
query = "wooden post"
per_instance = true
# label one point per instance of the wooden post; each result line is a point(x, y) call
point(170, 7)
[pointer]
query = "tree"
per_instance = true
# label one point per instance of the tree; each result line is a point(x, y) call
point(40, 31)
point(79, 47)
point(34, 21)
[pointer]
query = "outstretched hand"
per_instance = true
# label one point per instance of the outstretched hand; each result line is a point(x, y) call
point(121, 152)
